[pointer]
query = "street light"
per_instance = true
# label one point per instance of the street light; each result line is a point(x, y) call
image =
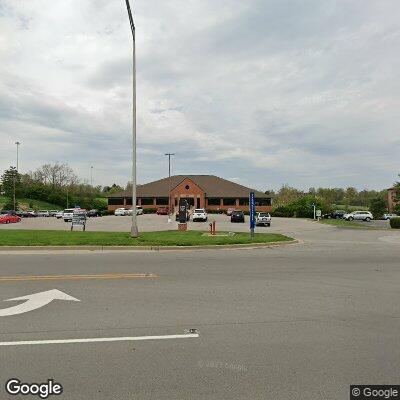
point(91, 175)
point(17, 143)
point(134, 228)
point(169, 185)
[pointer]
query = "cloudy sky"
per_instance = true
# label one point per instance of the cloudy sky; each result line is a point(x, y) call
point(265, 92)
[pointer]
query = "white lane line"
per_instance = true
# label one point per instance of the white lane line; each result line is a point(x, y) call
point(97, 340)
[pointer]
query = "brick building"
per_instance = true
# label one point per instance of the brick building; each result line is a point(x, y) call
point(201, 191)
point(391, 199)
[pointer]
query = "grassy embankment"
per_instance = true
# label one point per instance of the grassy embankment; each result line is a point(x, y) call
point(25, 204)
point(9, 237)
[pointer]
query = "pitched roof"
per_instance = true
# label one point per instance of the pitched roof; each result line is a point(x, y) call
point(212, 185)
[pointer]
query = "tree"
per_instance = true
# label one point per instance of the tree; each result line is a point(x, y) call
point(378, 207)
point(8, 179)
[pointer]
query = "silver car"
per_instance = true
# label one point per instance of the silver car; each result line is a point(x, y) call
point(359, 216)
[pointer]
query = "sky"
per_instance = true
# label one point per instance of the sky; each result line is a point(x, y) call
point(262, 92)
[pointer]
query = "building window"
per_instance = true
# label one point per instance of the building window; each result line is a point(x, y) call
point(244, 201)
point(115, 201)
point(229, 202)
point(162, 201)
point(214, 201)
point(129, 201)
point(147, 201)
point(263, 202)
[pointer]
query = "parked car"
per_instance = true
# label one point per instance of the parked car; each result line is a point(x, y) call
point(237, 216)
point(30, 214)
point(162, 210)
point(187, 216)
point(338, 214)
point(389, 216)
point(59, 214)
point(263, 218)
point(53, 213)
point(139, 210)
point(120, 212)
point(93, 213)
point(43, 213)
point(229, 211)
point(9, 218)
point(200, 214)
point(8, 212)
point(68, 214)
point(358, 216)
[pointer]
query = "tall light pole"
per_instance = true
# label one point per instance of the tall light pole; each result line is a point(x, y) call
point(17, 143)
point(91, 176)
point(134, 227)
point(169, 185)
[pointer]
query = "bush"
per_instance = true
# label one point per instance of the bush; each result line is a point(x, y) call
point(395, 223)
point(149, 210)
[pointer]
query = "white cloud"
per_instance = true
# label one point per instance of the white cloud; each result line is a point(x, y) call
point(271, 92)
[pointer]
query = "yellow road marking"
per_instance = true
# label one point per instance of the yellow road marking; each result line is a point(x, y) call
point(74, 277)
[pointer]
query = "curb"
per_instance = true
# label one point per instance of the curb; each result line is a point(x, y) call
point(146, 248)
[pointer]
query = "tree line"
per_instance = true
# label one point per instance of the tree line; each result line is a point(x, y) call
point(53, 183)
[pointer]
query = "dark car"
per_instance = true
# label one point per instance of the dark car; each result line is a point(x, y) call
point(94, 213)
point(237, 216)
point(8, 212)
point(338, 214)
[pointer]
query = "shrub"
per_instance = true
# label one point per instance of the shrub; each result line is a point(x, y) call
point(395, 223)
point(149, 210)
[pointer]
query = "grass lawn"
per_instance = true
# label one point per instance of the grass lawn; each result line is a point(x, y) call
point(36, 204)
point(344, 223)
point(9, 237)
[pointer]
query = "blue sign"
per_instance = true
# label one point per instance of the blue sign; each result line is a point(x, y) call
point(252, 211)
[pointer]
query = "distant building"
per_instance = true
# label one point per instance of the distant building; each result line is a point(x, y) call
point(201, 191)
point(391, 199)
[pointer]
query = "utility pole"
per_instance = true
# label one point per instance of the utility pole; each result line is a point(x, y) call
point(134, 227)
point(169, 186)
point(91, 176)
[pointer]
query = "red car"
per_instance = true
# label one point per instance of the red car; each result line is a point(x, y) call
point(162, 211)
point(7, 219)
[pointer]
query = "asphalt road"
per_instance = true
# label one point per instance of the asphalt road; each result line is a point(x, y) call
point(295, 322)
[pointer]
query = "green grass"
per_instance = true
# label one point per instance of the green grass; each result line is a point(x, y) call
point(9, 237)
point(37, 204)
point(344, 223)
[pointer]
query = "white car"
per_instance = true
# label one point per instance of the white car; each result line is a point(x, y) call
point(59, 214)
point(121, 212)
point(359, 216)
point(43, 213)
point(200, 214)
point(68, 214)
point(263, 218)
point(139, 211)
point(389, 216)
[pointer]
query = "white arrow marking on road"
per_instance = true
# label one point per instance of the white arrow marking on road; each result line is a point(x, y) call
point(35, 301)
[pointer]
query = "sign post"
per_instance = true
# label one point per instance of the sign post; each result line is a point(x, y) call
point(79, 218)
point(252, 205)
point(182, 219)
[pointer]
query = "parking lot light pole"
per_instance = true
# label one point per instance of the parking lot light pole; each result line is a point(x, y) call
point(169, 186)
point(18, 144)
point(134, 227)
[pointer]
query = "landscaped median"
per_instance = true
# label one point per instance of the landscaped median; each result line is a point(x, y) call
point(345, 224)
point(147, 239)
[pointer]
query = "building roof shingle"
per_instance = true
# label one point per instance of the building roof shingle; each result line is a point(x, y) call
point(212, 185)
